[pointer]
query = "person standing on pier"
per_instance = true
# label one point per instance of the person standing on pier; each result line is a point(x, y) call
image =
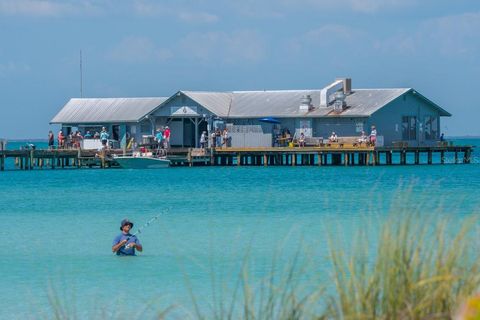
point(373, 136)
point(159, 139)
point(214, 139)
point(104, 136)
point(218, 137)
point(166, 136)
point(125, 243)
point(225, 137)
point(203, 140)
point(51, 140)
point(61, 140)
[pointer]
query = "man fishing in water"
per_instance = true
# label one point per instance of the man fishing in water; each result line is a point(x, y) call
point(125, 243)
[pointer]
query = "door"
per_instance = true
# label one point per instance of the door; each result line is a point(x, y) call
point(116, 132)
point(176, 132)
point(188, 133)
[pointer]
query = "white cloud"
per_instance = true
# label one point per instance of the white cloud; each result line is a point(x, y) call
point(371, 6)
point(455, 36)
point(331, 39)
point(147, 8)
point(363, 6)
point(239, 46)
point(47, 8)
point(257, 9)
point(197, 17)
point(138, 49)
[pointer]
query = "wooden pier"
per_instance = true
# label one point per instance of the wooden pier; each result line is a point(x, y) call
point(274, 156)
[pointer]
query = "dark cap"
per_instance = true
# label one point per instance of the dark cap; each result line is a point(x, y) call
point(124, 223)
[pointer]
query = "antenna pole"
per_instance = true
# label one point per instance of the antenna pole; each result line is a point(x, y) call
point(81, 75)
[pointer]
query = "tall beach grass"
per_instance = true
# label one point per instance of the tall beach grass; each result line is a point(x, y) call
point(418, 267)
point(413, 267)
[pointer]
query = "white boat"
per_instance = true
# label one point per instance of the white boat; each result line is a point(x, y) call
point(142, 161)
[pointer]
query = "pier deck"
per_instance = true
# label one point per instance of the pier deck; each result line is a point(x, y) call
point(272, 156)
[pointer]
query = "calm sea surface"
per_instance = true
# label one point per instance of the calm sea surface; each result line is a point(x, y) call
point(58, 226)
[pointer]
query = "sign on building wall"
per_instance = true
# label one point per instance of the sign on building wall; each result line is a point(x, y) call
point(305, 127)
point(184, 111)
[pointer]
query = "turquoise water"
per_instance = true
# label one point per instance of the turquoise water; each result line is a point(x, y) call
point(58, 226)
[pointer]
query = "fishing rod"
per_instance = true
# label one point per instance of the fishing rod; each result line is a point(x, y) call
point(148, 223)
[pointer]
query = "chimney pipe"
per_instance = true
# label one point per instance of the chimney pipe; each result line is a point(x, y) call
point(347, 86)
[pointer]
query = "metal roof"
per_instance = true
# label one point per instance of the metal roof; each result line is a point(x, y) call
point(106, 110)
point(285, 103)
point(217, 102)
point(236, 104)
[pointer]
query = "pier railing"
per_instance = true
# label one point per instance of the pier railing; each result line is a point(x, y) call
point(261, 156)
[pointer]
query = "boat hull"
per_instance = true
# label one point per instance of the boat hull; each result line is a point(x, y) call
point(142, 163)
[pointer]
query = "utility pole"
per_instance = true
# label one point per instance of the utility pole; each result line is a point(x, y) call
point(81, 75)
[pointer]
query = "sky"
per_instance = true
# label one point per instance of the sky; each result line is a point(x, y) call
point(145, 48)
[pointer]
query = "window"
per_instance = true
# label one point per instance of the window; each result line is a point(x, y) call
point(146, 127)
point(431, 128)
point(409, 128)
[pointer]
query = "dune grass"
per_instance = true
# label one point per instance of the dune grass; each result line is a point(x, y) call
point(416, 268)
point(412, 267)
point(422, 269)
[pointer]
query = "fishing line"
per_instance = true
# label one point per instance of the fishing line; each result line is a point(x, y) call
point(148, 223)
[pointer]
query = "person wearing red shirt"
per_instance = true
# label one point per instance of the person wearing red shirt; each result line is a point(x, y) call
point(166, 136)
point(61, 139)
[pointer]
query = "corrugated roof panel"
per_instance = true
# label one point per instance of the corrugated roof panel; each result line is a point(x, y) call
point(286, 103)
point(364, 102)
point(237, 104)
point(217, 102)
point(106, 110)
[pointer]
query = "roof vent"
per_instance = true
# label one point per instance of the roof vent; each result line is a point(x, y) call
point(339, 103)
point(347, 86)
point(327, 93)
point(306, 104)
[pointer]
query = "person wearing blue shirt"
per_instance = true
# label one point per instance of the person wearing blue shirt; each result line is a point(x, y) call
point(125, 243)
point(159, 138)
point(104, 136)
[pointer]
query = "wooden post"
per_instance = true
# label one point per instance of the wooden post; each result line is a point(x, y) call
point(367, 160)
point(189, 157)
point(345, 159)
point(2, 162)
point(374, 158)
point(265, 162)
point(466, 156)
point(294, 159)
point(102, 156)
point(430, 157)
point(320, 158)
point(456, 156)
point(417, 157)
point(79, 156)
point(442, 157)
point(239, 160)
